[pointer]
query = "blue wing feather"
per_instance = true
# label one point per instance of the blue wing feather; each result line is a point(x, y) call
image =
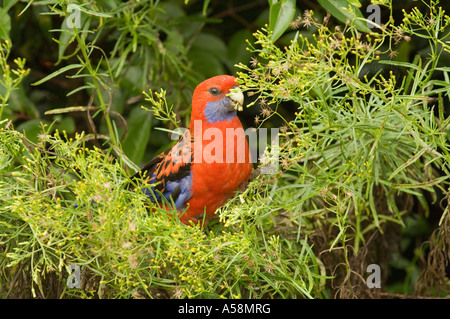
point(180, 190)
point(171, 179)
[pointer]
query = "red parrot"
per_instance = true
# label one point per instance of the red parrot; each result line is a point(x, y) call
point(210, 161)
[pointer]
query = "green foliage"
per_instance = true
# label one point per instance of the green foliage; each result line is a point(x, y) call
point(346, 11)
point(281, 15)
point(364, 153)
point(11, 78)
point(58, 212)
point(106, 53)
point(360, 144)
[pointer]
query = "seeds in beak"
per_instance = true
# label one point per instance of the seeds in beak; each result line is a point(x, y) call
point(236, 98)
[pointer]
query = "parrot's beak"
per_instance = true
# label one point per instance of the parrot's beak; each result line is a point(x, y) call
point(236, 99)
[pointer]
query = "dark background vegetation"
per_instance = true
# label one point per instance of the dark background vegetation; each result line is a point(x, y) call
point(213, 42)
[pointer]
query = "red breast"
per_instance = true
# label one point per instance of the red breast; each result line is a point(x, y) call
point(214, 183)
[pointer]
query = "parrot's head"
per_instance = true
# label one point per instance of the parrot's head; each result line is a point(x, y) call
point(217, 99)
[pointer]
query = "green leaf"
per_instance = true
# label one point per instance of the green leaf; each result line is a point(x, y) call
point(212, 44)
point(32, 129)
point(344, 10)
point(205, 6)
point(122, 59)
point(20, 102)
point(272, 2)
point(67, 124)
point(5, 24)
point(7, 4)
point(356, 3)
point(56, 73)
point(205, 63)
point(139, 126)
point(94, 13)
point(208, 55)
point(281, 15)
point(65, 38)
point(398, 63)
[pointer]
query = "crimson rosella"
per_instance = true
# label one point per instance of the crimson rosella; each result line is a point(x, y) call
point(210, 161)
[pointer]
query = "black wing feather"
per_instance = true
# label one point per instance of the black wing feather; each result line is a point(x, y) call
point(162, 163)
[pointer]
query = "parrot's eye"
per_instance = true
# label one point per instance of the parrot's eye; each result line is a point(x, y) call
point(214, 91)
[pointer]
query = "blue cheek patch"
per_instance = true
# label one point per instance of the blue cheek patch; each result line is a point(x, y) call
point(217, 111)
